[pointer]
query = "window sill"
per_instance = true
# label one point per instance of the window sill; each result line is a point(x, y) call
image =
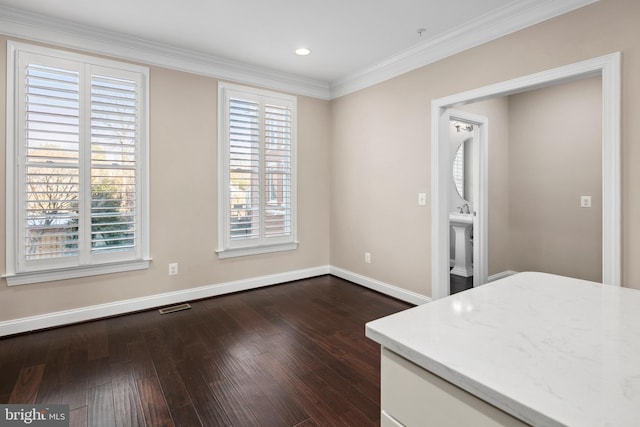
point(232, 253)
point(74, 272)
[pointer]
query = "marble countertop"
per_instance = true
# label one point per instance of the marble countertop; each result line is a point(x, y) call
point(549, 350)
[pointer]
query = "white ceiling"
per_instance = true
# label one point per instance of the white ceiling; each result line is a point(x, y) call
point(347, 37)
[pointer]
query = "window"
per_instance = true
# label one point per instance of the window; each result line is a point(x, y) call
point(257, 195)
point(76, 165)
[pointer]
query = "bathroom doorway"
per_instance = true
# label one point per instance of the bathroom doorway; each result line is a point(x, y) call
point(608, 68)
point(467, 199)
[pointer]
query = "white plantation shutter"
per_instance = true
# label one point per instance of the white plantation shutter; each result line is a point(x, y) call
point(113, 164)
point(77, 161)
point(52, 169)
point(244, 169)
point(257, 155)
point(278, 170)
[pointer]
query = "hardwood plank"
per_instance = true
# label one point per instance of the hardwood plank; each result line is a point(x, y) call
point(356, 418)
point(332, 398)
point(307, 397)
point(370, 408)
point(73, 394)
point(78, 417)
point(9, 373)
point(98, 372)
point(185, 416)
point(100, 410)
point(256, 401)
point(141, 362)
point(98, 341)
point(276, 384)
point(170, 382)
point(207, 407)
point(26, 387)
point(233, 403)
point(154, 406)
point(126, 399)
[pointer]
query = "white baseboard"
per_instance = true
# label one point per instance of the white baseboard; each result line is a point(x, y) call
point(383, 288)
point(501, 275)
point(26, 324)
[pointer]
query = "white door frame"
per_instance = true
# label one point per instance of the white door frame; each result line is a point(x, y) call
point(480, 186)
point(608, 67)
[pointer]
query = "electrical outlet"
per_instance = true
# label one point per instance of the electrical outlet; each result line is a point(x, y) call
point(173, 269)
point(367, 257)
point(585, 201)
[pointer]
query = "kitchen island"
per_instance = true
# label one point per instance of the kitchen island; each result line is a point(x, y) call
point(532, 348)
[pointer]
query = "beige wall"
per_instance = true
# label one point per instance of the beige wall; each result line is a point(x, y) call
point(183, 176)
point(381, 140)
point(555, 156)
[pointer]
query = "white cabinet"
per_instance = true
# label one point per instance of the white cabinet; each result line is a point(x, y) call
point(412, 396)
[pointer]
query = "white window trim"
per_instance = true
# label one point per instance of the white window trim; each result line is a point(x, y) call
point(224, 249)
point(142, 261)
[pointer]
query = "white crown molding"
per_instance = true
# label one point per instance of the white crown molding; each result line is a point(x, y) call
point(71, 35)
point(513, 17)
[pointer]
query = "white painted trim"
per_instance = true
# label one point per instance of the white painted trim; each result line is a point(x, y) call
point(75, 272)
point(501, 275)
point(26, 324)
point(11, 168)
point(607, 66)
point(378, 286)
point(513, 17)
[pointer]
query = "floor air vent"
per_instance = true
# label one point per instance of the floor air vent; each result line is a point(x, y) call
point(174, 308)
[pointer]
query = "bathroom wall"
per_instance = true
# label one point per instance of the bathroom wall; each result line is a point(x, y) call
point(555, 156)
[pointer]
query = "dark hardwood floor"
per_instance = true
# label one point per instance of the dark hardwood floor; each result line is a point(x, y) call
point(287, 355)
point(459, 283)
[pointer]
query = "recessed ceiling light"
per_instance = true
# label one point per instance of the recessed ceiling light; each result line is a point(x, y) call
point(303, 51)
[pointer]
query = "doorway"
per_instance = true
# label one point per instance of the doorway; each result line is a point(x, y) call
point(608, 67)
point(467, 198)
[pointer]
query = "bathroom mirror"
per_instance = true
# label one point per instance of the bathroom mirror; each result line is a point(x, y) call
point(462, 170)
point(458, 171)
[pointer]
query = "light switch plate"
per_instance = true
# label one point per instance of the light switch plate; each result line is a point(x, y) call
point(422, 199)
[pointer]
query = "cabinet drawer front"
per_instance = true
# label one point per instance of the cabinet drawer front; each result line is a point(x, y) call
point(413, 396)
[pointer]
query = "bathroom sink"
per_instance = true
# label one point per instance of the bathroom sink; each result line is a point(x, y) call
point(460, 218)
